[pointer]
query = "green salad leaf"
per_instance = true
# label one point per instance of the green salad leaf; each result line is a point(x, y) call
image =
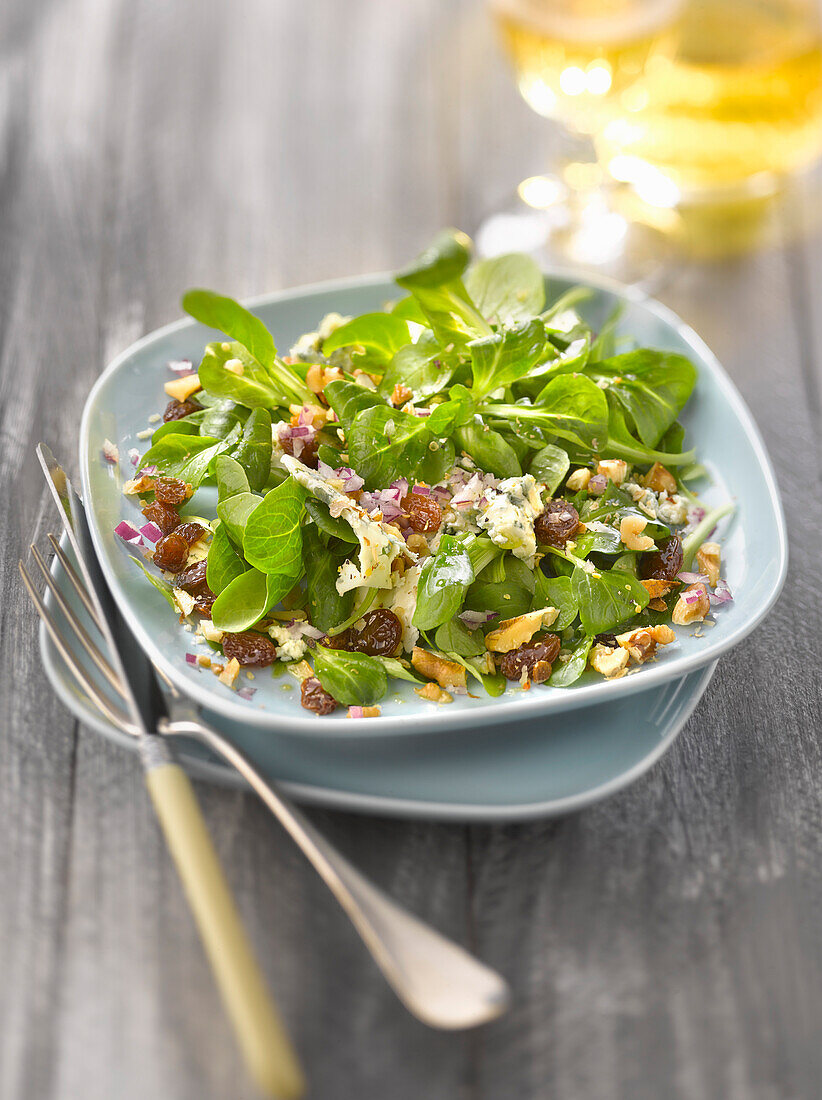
point(444, 580)
point(606, 599)
point(217, 311)
point(354, 679)
point(272, 541)
point(507, 288)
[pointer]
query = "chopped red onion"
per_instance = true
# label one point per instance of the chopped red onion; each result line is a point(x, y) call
point(421, 490)
point(299, 431)
point(355, 712)
point(306, 416)
point(473, 619)
point(324, 470)
point(350, 478)
point(151, 532)
point(191, 658)
point(111, 452)
point(134, 455)
point(691, 597)
point(598, 484)
point(246, 692)
point(181, 366)
point(148, 471)
point(128, 533)
point(420, 412)
point(722, 594)
point(440, 493)
point(691, 578)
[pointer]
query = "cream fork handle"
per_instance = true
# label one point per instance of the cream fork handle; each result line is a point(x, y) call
point(267, 1050)
point(437, 980)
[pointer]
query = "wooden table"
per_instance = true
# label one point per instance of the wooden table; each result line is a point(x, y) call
point(666, 943)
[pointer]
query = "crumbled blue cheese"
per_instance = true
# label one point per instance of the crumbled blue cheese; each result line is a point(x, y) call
point(309, 344)
point(289, 648)
point(403, 602)
point(379, 544)
point(670, 509)
point(509, 513)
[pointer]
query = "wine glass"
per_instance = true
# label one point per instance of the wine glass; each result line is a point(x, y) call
point(681, 119)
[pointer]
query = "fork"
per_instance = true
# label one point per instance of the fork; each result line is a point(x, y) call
point(267, 1050)
point(437, 980)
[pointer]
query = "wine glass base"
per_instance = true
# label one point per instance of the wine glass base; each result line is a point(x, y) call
point(580, 231)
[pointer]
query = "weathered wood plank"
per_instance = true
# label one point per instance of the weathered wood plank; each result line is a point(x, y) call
point(185, 150)
point(664, 943)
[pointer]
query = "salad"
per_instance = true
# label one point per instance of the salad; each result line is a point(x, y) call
point(469, 489)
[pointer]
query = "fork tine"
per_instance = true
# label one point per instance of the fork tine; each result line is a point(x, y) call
point(114, 714)
point(83, 636)
point(78, 586)
point(80, 589)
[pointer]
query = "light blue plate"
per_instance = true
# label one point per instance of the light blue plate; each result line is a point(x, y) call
point(718, 423)
point(541, 768)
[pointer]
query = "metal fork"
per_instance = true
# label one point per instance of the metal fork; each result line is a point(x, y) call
point(437, 980)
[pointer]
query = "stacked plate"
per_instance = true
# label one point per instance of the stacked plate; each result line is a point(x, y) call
point(523, 755)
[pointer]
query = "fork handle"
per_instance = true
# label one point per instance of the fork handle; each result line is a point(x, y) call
point(257, 1025)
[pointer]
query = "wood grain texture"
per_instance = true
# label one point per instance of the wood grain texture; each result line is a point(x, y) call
point(665, 943)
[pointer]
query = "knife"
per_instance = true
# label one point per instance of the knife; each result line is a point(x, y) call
point(257, 1025)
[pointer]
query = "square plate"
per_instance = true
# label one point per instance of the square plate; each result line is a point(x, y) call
point(718, 422)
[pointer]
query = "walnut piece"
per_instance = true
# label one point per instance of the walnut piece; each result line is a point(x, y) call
point(230, 672)
point(446, 673)
point(642, 643)
point(630, 531)
point(609, 661)
point(709, 560)
point(692, 606)
point(578, 479)
point(656, 588)
point(660, 479)
point(418, 544)
point(512, 633)
point(400, 395)
point(182, 388)
point(433, 693)
point(614, 468)
point(142, 484)
point(318, 377)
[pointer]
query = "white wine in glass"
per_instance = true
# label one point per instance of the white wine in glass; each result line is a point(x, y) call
point(690, 105)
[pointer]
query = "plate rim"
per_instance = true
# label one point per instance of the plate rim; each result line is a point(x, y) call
point(374, 804)
point(424, 721)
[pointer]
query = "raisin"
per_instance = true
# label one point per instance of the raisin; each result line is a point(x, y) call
point(193, 579)
point(535, 657)
point(171, 553)
point(250, 648)
point(163, 515)
point(379, 633)
point(204, 604)
point(664, 563)
point(338, 641)
point(191, 532)
point(176, 410)
point(557, 523)
point(424, 514)
point(606, 639)
point(313, 696)
point(307, 449)
point(171, 490)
